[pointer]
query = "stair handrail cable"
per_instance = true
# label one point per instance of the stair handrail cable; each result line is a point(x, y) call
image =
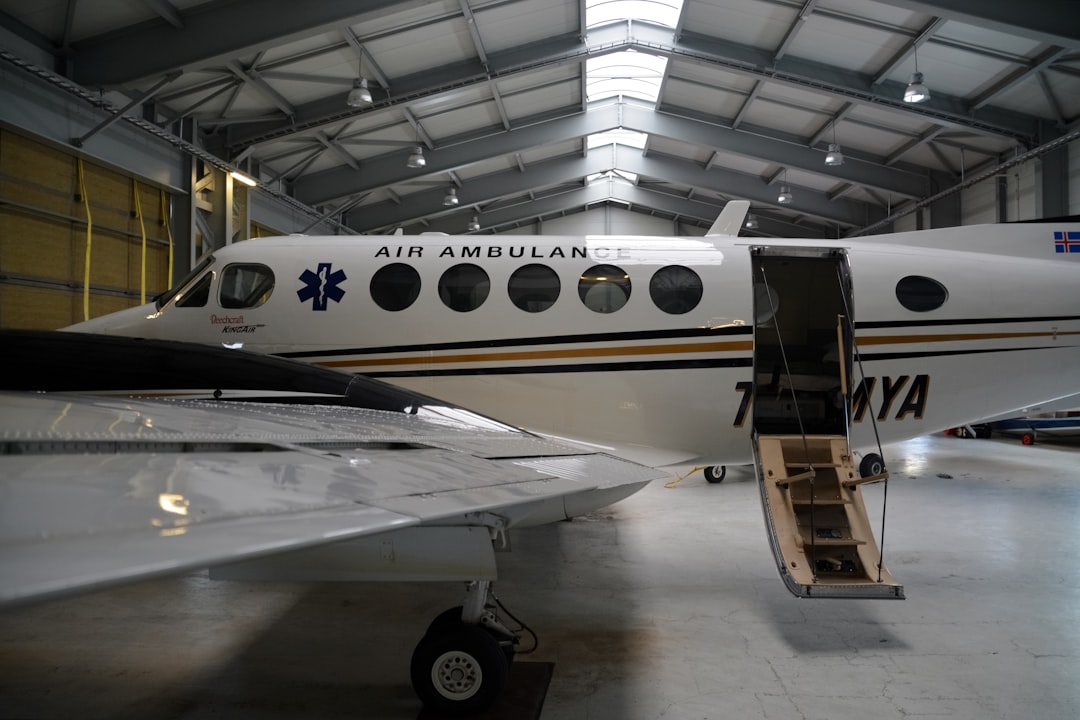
point(873, 418)
point(798, 417)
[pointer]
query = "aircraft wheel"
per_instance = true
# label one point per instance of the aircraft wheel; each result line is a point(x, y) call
point(459, 671)
point(715, 473)
point(1028, 439)
point(445, 621)
point(871, 464)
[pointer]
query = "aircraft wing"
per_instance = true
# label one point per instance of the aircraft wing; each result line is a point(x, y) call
point(102, 490)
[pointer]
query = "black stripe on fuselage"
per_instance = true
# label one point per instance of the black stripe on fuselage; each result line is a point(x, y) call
point(870, 357)
point(578, 368)
point(875, 325)
point(521, 342)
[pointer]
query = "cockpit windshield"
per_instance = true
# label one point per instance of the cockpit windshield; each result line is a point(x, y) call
point(164, 298)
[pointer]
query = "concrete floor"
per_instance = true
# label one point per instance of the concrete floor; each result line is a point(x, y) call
point(666, 605)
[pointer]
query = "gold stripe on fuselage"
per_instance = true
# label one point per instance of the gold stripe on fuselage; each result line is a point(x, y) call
point(666, 349)
point(568, 354)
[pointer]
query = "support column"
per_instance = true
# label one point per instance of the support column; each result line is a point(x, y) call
point(1054, 183)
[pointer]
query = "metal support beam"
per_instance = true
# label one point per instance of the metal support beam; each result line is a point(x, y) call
point(1054, 183)
point(79, 141)
point(697, 49)
point(165, 9)
point(253, 26)
point(569, 170)
point(807, 8)
point(1055, 22)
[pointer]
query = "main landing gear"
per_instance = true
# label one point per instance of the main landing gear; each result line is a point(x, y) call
point(461, 665)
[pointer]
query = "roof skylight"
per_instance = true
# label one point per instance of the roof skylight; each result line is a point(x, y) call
point(627, 73)
point(664, 12)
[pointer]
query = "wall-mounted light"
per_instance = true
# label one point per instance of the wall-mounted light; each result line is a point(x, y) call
point(241, 177)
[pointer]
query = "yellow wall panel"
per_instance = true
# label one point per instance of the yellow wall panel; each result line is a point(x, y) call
point(36, 174)
point(37, 246)
point(31, 308)
point(46, 238)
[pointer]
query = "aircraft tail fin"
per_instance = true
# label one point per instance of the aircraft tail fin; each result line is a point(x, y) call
point(730, 220)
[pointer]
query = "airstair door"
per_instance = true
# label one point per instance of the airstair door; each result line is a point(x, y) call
point(810, 489)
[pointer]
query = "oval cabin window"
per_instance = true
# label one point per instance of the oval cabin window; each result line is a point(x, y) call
point(464, 287)
point(395, 287)
point(604, 288)
point(921, 294)
point(533, 288)
point(675, 289)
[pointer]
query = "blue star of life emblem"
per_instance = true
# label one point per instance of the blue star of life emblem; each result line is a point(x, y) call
point(321, 285)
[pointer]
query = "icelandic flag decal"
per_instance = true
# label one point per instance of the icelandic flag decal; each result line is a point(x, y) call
point(1066, 242)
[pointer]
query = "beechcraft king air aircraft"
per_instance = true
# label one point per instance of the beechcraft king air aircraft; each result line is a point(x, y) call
point(710, 351)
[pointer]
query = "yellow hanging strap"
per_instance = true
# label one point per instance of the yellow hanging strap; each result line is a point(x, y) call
point(142, 227)
point(168, 234)
point(89, 236)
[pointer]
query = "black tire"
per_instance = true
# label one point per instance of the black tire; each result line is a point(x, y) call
point(446, 621)
point(459, 672)
point(715, 473)
point(871, 464)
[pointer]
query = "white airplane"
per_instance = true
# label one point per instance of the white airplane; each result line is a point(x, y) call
point(706, 351)
point(123, 459)
point(662, 350)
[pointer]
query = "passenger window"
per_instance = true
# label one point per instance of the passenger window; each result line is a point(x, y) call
point(921, 294)
point(197, 294)
point(604, 288)
point(395, 287)
point(675, 289)
point(533, 288)
point(245, 286)
point(464, 287)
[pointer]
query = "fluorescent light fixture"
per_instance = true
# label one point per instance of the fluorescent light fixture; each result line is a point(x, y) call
point(451, 198)
point(916, 91)
point(417, 160)
point(237, 175)
point(834, 157)
point(360, 95)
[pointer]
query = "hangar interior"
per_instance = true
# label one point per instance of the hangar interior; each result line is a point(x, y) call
point(137, 135)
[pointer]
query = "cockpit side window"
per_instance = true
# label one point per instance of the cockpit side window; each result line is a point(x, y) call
point(197, 294)
point(245, 285)
point(164, 298)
